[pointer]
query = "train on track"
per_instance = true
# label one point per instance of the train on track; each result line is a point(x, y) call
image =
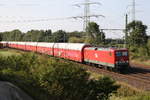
point(112, 58)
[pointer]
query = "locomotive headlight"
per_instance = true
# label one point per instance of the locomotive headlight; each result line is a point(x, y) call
point(127, 61)
point(117, 62)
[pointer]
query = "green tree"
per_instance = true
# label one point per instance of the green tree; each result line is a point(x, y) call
point(148, 43)
point(34, 35)
point(76, 40)
point(16, 35)
point(1, 37)
point(59, 36)
point(76, 34)
point(94, 36)
point(137, 33)
point(47, 35)
point(6, 36)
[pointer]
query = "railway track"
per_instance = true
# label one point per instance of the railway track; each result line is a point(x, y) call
point(140, 72)
point(139, 80)
point(141, 76)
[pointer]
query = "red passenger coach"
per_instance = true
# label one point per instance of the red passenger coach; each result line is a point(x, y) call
point(3, 44)
point(109, 57)
point(21, 45)
point(45, 48)
point(31, 46)
point(71, 51)
point(13, 44)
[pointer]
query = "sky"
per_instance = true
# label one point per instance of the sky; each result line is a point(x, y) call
point(51, 14)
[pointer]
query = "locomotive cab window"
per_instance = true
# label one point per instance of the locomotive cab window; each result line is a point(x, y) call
point(125, 53)
point(118, 54)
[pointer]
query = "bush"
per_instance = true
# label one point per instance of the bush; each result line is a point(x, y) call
point(44, 78)
point(148, 44)
point(141, 52)
point(76, 40)
point(102, 89)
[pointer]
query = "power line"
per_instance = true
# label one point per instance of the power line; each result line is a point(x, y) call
point(34, 20)
point(82, 17)
point(112, 29)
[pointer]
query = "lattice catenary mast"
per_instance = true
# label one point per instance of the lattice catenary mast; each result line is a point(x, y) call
point(87, 14)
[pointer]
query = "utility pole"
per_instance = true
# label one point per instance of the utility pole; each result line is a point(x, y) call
point(126, 32)
point(87, 14)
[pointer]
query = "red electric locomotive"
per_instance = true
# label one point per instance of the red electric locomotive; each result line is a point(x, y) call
point(107, 57)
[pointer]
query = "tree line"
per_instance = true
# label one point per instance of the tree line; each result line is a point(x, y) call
point(35, 36)
point(94, 36)
point(137, 38)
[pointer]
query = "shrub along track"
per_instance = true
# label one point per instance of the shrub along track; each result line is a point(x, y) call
point(137, 79)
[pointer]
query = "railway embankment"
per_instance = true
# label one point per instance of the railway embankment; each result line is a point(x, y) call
point(31, 86)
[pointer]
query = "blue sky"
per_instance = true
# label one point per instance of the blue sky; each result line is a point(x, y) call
point(20, 14)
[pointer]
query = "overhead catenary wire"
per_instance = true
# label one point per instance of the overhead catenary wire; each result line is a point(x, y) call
point(22, 20)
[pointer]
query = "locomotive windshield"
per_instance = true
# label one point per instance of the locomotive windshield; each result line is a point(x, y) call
point(124, 53)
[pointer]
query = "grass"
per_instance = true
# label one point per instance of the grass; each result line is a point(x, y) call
point(143, 60)
point(139, 61)
point(9, 52)
point(94, 75)
point(125, 92)
point(140, 96)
